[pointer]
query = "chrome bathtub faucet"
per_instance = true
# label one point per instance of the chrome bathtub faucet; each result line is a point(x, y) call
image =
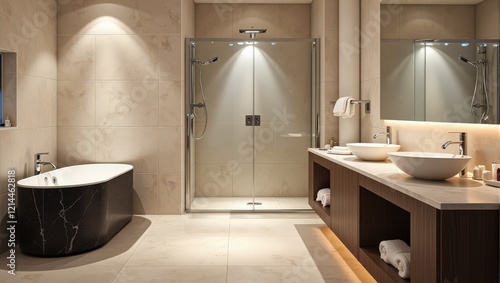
point(39, 163)
point(462, 148)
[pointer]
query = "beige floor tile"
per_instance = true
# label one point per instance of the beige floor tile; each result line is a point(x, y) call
point(81, 274)
point(185, 250)
point(168, 227)
point(306, 274)
point(266, 227)
point(172, 274)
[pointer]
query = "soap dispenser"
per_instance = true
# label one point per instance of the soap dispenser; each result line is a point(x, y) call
point(7, 122)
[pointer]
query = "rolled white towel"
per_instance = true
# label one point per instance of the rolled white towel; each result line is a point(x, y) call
point(388, 249)
point(402, 264)
point(325, 199)
point(321, 193)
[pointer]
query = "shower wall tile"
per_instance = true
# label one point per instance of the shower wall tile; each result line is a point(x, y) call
point(214, 20)
point(214, 179)
point(289, 146)
point(243, 180)
point(247, 16)
point(458, 21)
point(76, 104)
point(170, 57)
point(169, 194)
point(488, 19)
point(170, 155)
point(293, 21)
point(291, 180)
point(424, 21)
point(76, 57)
point(127, 57)
point(127, 103)
point(215, 146)
point(420, 21)
point(170, 105)
point(135, 146)
point(222, 20)
point(242, 144)
point(265, 143)
point(145, 198)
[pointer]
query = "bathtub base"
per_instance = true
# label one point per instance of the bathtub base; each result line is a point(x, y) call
point(58, 222)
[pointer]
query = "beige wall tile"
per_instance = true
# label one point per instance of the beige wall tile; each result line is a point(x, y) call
point(264, 180)
point(331, 59)
point(76, 104)
point(47, 15)
point(77, 145)
point(170, 104)
point(254, 16)
point(76, 57)
point(120, 17)
point(127, 103)
point(370, 41)
point(420, 21)
point(214, 20)
point(127, 57)
point(46, 56)
point(27, 97)
point(145, 199)
point(488, 19)
point(289, 147)
point(214, 146)
point(19, 38)
point(170, 153)
point(331, 9)
point(46, 103)
point(293, 21)
point(458, 21)
point(12, 158)
point(135, 146)
point(318, 18)
point(390, 20)
point(170, 193)
point(170, 57)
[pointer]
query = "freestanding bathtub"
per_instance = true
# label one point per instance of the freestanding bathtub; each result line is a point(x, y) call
point(73, 209)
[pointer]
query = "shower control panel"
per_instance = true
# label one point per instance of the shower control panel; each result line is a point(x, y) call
point(252, 120)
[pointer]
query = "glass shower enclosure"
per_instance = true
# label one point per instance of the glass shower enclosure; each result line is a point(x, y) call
point(251, 114)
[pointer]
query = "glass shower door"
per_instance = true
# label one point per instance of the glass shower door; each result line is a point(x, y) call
point(256, 99)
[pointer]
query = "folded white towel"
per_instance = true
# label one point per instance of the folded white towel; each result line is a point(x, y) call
point(388, 249)
point(341, 147)
point(402, 264)
point(325, 199)
point(343, 107)
point(321, 193)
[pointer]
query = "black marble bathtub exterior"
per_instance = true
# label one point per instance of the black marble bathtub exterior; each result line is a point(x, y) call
point(64, 221)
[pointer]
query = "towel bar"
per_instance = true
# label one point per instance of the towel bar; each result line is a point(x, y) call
point(365, 102)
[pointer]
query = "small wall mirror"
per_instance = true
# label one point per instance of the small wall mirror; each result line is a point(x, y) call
point(439, 63)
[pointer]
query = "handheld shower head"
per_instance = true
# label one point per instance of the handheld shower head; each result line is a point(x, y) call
point(211, 60)
point(467, 60)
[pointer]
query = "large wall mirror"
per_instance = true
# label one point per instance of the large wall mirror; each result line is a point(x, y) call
point(439, 62)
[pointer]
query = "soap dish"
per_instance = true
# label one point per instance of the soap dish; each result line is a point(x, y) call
point(492, 183)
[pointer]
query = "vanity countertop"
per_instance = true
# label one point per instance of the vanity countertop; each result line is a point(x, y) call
point(451, 194)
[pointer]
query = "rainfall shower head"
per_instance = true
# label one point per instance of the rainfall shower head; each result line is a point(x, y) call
point(253, 31)
point(467, 60)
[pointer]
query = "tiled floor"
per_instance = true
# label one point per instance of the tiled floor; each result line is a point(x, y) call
point(237, 247)
point(241, 203)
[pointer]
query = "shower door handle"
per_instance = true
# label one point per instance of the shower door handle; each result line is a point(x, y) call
point(252, 120)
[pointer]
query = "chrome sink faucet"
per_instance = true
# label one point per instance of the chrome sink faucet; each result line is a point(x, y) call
point(462, 148)
point(39, 163)
point(387, 133)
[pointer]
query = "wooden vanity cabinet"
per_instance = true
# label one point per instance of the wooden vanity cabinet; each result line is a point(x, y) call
point(446, 245)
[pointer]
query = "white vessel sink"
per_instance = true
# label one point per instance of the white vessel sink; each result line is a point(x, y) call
point(429, 165)
point(372, 151)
